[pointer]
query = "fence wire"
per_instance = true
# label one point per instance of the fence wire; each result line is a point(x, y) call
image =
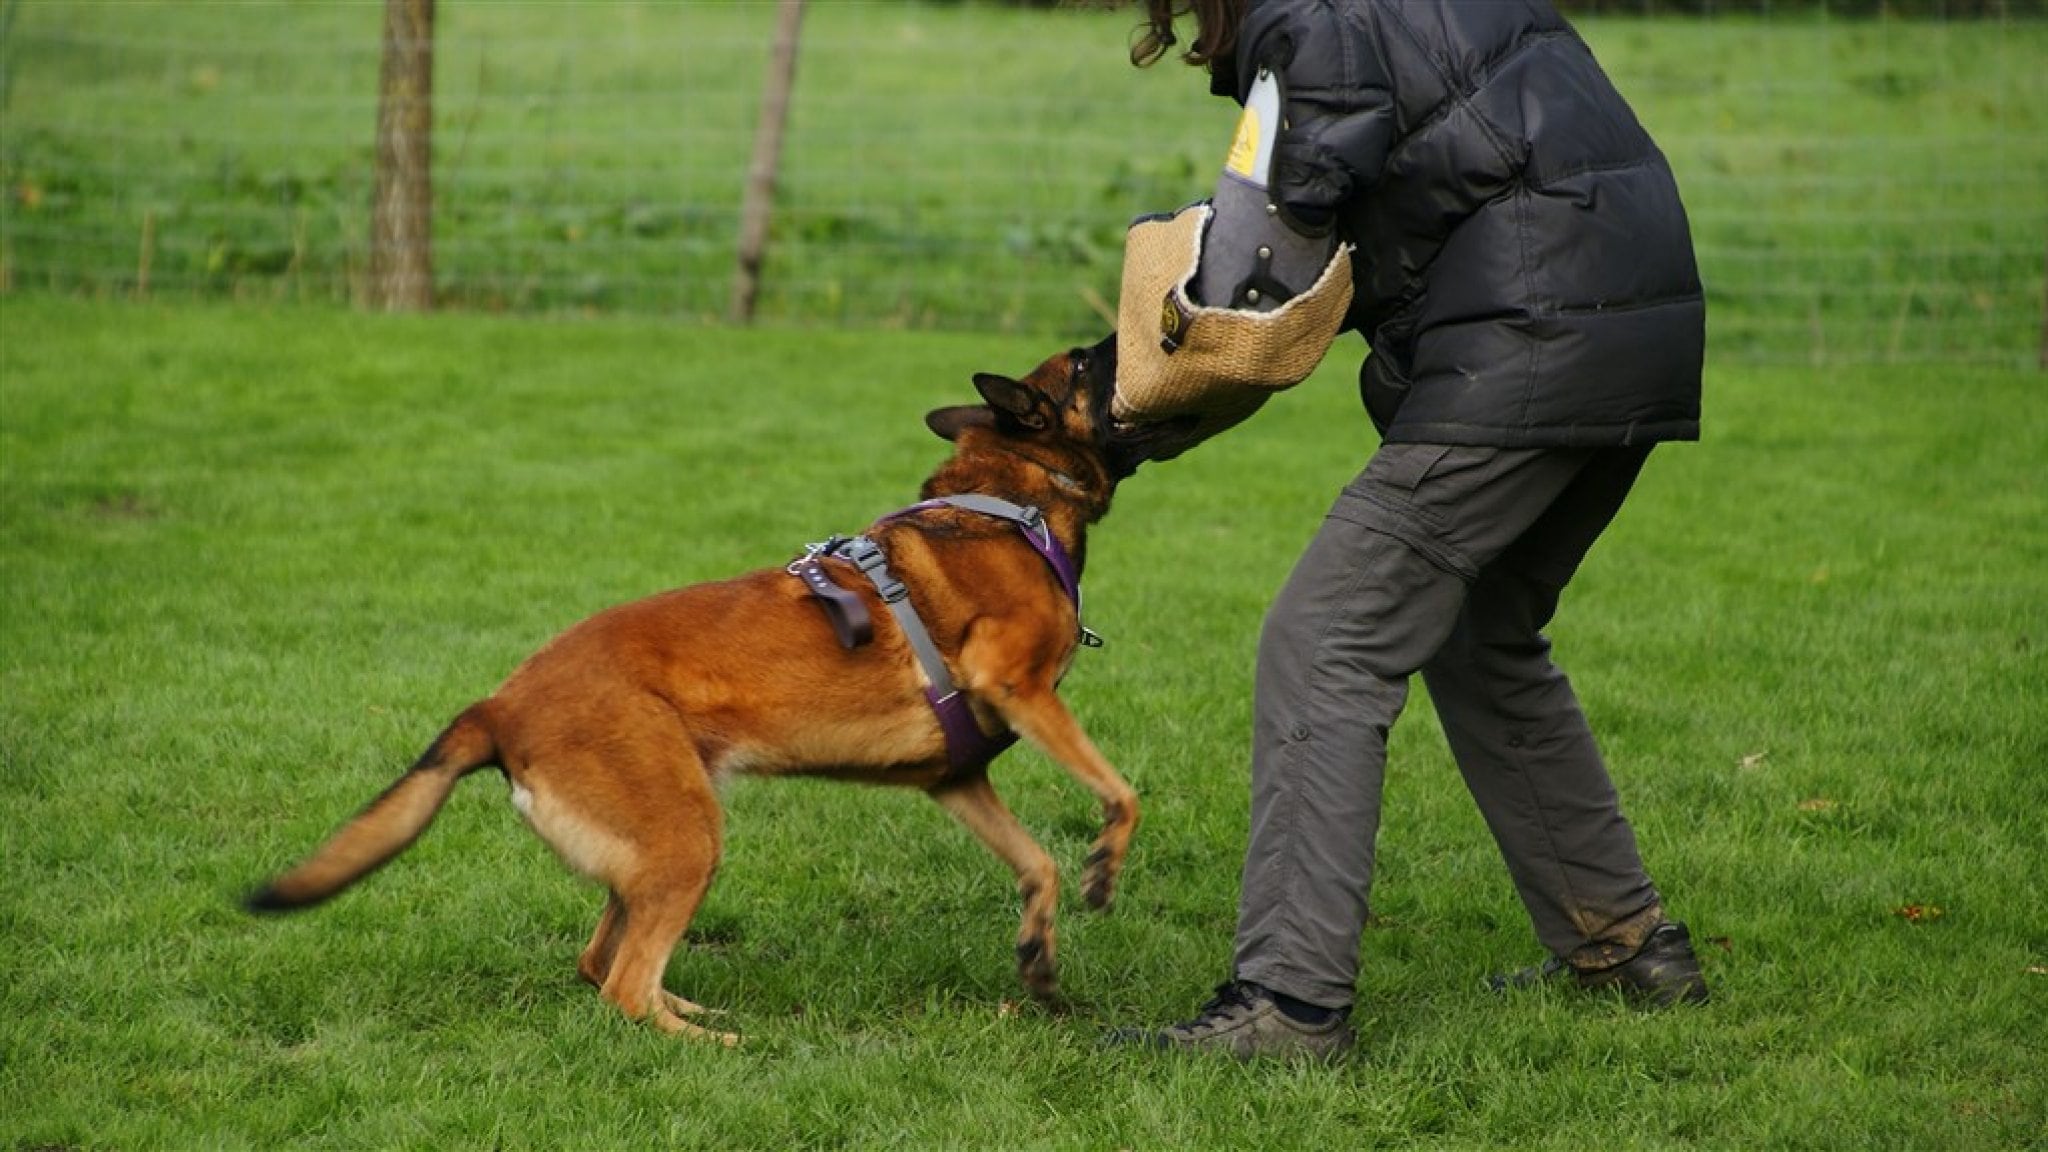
point(1861, 190)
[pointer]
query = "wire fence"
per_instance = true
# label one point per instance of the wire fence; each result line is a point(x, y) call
point(1861, 190)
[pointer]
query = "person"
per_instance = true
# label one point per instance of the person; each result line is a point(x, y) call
point(1521, 266)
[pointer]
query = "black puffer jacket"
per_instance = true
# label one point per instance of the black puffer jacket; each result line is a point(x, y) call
point(1525, 273)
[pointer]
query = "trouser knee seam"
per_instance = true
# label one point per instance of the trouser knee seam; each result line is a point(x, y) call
point(1297, 733)
point(1543, 822)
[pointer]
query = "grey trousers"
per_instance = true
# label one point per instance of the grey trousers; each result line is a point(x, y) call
point(1447, 561)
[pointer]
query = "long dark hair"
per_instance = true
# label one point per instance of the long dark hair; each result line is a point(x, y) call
point(1216, 23)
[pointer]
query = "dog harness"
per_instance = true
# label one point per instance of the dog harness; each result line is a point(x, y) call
point(967, 746)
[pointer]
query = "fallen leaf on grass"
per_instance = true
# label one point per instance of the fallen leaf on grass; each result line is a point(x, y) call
point(1723, 943)
point(1917, 913)
point(1817, 804)
point(2037, 969)
point(1752, 762)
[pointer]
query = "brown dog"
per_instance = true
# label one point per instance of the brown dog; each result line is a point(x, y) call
point(613, 734)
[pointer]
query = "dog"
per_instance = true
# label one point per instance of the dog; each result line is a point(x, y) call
point(614, 735)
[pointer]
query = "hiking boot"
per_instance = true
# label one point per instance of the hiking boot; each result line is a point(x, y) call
point(1552, 969)
point(1244, 1021)
point(1663, 972)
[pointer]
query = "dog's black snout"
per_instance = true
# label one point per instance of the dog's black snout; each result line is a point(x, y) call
point(1096, 372)
point(1102, 361)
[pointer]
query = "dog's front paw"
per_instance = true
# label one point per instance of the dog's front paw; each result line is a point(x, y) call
point(1098, 878)
point(1037, 969)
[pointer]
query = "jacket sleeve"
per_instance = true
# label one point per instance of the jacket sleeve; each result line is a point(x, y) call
point(1339, 105)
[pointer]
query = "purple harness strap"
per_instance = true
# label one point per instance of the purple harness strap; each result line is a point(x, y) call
point(967, 746)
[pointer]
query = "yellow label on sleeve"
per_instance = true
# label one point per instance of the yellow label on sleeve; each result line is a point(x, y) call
point(1244, 147)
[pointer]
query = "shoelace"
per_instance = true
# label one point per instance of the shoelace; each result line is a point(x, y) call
point(1230, 996)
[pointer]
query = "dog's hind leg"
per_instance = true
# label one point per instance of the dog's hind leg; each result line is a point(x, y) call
point(975, 804)
point(656, 916)
point(656, 893)
point(596, 962)
point(671, 851)
point(642, 819)
point(1042, 718)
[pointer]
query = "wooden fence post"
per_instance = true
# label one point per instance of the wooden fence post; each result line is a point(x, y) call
point(402, 219)
point(759, 205)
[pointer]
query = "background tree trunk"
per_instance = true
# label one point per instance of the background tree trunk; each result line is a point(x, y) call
point(401, 226)
point(760, 199)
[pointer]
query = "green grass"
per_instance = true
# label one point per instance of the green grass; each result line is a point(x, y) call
point(250, 560)
point(1860, 190)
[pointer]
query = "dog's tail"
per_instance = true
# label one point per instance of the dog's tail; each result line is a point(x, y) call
point(389, 824)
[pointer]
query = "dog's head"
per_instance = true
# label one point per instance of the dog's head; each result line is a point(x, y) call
point(1062, 405)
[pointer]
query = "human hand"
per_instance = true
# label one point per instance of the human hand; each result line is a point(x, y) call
point(1132, 443)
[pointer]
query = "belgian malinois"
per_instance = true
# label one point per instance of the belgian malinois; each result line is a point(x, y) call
point(613, 735)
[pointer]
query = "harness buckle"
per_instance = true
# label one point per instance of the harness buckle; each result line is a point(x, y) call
point(827, 547)
point(868, 557)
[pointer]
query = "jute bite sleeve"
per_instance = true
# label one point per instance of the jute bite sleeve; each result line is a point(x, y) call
point(1178, 358)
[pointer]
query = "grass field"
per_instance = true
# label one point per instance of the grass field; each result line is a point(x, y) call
point(250, 560)
point(1860, 190)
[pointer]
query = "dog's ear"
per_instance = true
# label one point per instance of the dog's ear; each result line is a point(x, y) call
point(947, 423)
point(1014, 400)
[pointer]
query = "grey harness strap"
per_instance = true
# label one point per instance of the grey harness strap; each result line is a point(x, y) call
point(866, 555)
